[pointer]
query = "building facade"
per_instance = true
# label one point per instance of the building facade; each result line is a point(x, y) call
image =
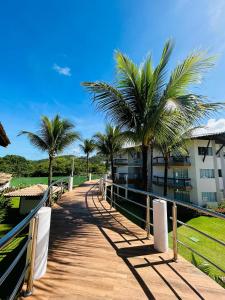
point(198, 178)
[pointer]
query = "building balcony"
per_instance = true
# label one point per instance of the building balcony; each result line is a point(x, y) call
point(135, 163)
point(176, 183)
point(121, 162)
point(173, 161)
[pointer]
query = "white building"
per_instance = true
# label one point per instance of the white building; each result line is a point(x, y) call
point(198, 178)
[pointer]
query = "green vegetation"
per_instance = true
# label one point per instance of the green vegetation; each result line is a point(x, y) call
point(144, 98)
point(20, 167)
point(4, 228)
point(26, 181)
point(109, 144)
point(210, 249)
point(87, 147)
point(53, 136)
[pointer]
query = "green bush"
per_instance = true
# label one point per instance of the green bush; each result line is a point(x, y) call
point(5, 205)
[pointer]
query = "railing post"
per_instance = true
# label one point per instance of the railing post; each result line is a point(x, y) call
point(105, 190)
point(147, 222)
point(31, 256)
point(126, 190)
point(111, 198)
point(174, 215)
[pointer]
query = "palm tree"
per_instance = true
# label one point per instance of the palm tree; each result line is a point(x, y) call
point(141, 97)
point(88, 147)
point(176, 143)
point(109, 143)
point(53, 137)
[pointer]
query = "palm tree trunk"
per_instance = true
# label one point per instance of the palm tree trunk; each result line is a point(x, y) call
point(50, 180)
point(87, 165)
point(50, 170)
point(151, 168)
point(145, 166)
point(112, 168)
point(165, 176)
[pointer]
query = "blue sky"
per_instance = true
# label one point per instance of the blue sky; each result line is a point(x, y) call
point(49, 47)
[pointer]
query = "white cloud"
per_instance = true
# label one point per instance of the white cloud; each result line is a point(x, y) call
point(212, 126)
point(216, 14)
point(66, 71)
point(216, 125)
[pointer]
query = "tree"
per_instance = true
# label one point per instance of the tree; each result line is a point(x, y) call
point(87, 147)
point(109, 143)
point(53, 137)
point(141, 96)
point(176, 143)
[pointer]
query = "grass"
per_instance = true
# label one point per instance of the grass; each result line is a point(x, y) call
point(15, 202)
point(26, 181)
point(212, 226)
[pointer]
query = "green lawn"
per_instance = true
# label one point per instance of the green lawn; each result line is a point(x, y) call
point(26, 181)
point(210, 249)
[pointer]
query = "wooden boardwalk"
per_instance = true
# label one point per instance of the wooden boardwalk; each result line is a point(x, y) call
point(96, 253)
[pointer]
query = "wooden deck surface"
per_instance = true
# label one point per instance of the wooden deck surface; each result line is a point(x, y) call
point(96, 253)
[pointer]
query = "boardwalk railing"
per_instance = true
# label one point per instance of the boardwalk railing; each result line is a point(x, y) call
point(29, 247)
point(111, 191)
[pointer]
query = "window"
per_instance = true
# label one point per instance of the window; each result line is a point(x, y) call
point(182, 196)
point(208, 196)
point(220, 173)
point(205, 151)
point(207, 173)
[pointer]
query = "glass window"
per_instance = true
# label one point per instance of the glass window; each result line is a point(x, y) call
point(182, 196)
point(209, 196)
point(220, 173)
point(207, 173)
point(205, 151)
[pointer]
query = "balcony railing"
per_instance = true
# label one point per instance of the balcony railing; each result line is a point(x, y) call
point(121, 161)
point(173, 160)
point(182, 183)
point(135, 162)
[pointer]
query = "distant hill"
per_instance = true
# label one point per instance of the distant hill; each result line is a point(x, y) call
point(20, 166)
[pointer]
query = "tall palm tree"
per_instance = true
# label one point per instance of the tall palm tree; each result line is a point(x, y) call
point(109, 143)
point(87, 147)
point(53, 137)
point(142, 95)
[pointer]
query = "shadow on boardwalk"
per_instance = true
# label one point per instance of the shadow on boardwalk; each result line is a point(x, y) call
point(96, 253)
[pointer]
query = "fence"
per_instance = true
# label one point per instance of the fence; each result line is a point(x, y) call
point(28, 248)
point(112, 192)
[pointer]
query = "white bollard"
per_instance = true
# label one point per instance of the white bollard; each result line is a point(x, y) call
point(70, 184)
point(89, 176)
point(105, 177)
point(41, 253)
point(160, 225)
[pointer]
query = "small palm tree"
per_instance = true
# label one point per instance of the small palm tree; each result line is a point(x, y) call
point(53, 137)
point(88, 147)
point(142, 96)
point(176, 143)
point(109, 144)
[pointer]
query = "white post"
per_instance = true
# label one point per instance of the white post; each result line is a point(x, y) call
point(41, 253)
point(160, 225)
point(89, 176)
point(70, 184)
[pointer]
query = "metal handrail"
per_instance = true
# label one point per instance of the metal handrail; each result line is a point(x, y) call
point(174, 219)
point(30, 220)
point(178, 202)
